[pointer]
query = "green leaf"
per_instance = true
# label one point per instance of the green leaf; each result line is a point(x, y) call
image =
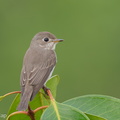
point(14, 104)
point(98, 105)
point(38, 101)
point(52, 84)
point(92, 117)
point(58, 111)
point(19, 117)
point(13, 108)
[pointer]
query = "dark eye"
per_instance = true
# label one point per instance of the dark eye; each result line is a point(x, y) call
point(46, 39)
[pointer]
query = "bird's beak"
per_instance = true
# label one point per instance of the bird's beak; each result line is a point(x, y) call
point(57, 40)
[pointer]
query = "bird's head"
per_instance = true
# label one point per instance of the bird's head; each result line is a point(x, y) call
point(45, 40)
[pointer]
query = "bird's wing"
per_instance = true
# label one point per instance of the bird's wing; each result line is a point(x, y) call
point(39, 73)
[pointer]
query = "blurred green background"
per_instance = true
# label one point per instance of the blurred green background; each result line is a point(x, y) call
point(88, 59)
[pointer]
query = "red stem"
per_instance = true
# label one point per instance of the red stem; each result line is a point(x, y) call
point(37, 109)
point(50, 95)
point(12, 93)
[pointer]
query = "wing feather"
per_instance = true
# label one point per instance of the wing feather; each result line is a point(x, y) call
point(43, 71)
point(36, 71)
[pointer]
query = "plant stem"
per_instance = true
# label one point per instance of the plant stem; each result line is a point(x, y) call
point(37, 109)
point(15, 113)
point(50, 95)
point(31, 113)
point(12, 93)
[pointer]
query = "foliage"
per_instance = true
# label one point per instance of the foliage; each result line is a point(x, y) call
point(88, 107)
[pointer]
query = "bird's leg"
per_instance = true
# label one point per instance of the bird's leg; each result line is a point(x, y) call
point(48, 92)
point(45, 89)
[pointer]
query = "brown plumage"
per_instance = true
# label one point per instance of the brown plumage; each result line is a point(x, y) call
point(38, 64)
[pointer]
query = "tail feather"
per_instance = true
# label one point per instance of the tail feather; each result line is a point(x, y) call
point(25, 98)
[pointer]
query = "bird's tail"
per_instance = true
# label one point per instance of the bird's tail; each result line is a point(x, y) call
point(25, 98)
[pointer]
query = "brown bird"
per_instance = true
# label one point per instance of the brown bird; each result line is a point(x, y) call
point(38, 64)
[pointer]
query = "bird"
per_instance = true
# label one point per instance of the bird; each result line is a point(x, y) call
point(38, 65)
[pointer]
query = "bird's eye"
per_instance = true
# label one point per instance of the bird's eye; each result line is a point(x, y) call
point(46, 39)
